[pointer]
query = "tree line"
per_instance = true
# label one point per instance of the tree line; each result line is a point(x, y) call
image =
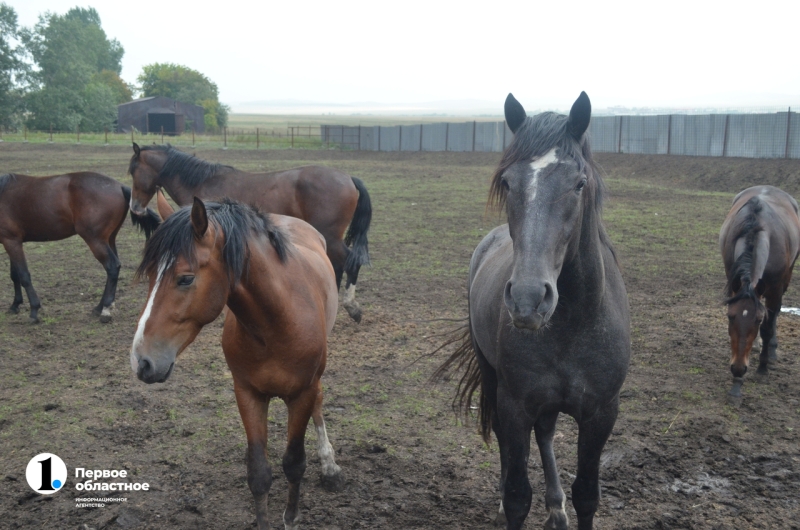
point(64, 73)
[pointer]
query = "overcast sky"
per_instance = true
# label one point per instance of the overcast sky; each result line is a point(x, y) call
point(671, 53)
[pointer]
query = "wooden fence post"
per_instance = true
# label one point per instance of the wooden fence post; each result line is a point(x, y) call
point(292, 133)
point(257, 139)
point(106, 130)
point(78, 133)
point(225, 137)
point(162, 135)
point(51, 133)
point(25, 132)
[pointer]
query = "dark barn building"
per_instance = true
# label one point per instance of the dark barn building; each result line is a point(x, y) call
point(148, 115)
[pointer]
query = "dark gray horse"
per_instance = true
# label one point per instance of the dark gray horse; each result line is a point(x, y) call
point(549, 329)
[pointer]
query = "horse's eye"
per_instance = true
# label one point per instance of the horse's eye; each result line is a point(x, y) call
point(581, 184)
point(185, 281)
point(504, 183)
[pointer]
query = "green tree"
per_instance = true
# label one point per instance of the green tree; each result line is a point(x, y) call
point(186, 85)
point(12, 68)
point(70, 89)
point(122, 91)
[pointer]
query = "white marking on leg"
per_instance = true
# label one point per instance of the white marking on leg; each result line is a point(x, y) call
point(502, 510)
point(106, 312)
point(349, 297)
point(138, 338)
point(325, 449)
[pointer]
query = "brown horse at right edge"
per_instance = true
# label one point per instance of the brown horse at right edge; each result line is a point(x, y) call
point(760, 242)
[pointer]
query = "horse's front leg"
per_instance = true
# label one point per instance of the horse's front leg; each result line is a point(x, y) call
point(592, 436)
point(254, 409)
point(294, 459)
point(514, 438)
point(769, 336)
point(331, 477)
point(554, 498)
point(19, 270)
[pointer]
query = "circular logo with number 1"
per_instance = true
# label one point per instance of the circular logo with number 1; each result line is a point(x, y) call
point(46, 473)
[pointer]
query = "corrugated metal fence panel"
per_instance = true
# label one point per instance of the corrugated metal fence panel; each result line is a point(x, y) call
point(756, 135)
point(604, 133)
point(489, 137)
point(697, 135)
point(460, 137)
point(366, 141)
point(410, 137)
point(645, 134)
point(793, 149)
point(433, 136)
point(389, 139)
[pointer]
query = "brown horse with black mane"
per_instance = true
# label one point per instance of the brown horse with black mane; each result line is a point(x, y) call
point(272, 273)
point(760, 241)
point(57, 207)
point(327, 199)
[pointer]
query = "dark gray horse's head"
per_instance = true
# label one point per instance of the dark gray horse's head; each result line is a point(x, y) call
point(546, 182)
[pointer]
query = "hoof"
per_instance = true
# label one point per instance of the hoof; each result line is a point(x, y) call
point(734, 401)
point(13, 310)
point(501, 519)
point(105, 319)
point(557, 521)
point(355, 313)
point(34, 320)
point(761, 377)
point(332, 483)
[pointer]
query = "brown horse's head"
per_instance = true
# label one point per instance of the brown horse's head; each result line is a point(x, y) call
point(189, 285)
point(144, 172)
point(745, 314)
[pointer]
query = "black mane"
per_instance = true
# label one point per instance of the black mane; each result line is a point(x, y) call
point(5, 180)
point(175, 238)
point(193, 171)
point(739, 285)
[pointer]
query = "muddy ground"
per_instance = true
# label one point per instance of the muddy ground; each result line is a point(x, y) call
point(679, 456)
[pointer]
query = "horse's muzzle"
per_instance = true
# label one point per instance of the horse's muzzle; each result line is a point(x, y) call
point(530, 306)
point(149, 373)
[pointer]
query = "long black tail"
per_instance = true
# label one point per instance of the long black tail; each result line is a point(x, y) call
point(357, 233)
point(145, 223)
point(466, 358)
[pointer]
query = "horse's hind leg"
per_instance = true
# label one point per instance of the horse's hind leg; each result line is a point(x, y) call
point(554, 498)
point(349, 300)
point(300, 409)
point(331, 477)
point(14, 309)
point(592, 436)
point(108, 258)
point(254, 410)
point(19, 270)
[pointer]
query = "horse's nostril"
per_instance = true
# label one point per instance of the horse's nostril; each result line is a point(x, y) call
point(145, 367)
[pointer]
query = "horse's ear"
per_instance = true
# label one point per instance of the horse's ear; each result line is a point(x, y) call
point(515, 114)
point(136, 149)
point(579, 116)
point(199, 218)
point(164, 208)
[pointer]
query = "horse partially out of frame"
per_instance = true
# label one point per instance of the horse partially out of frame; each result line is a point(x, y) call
point(52, 208)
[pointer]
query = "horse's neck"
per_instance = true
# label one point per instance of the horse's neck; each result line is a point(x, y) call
point(583, 276)
point(179, 192)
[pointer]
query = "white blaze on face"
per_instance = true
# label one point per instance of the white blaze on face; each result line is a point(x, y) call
point(138, 339)
point(537, 166)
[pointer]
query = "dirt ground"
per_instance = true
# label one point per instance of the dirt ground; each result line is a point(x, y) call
point(679, 456)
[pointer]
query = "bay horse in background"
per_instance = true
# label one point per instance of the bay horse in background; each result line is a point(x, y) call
point(272, 273)
point(57, 207)
point(759, 241)
point(549, 329)
point(327, 199)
